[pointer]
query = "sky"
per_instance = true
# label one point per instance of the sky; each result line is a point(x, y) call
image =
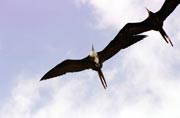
point(35, 35)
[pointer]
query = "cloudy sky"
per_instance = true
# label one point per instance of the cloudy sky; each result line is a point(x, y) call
point(35, 35)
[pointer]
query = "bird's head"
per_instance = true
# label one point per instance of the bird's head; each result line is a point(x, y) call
point(92, 53)
point(149, 12)
point(94, 56)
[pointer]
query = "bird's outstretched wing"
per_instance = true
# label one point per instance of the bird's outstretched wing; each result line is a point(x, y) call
point(167, 8)
point(137, 28)
point(67, 66)
point(120, 42)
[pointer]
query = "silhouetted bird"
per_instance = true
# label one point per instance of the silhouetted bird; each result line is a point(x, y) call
point(125, 38)
point(153, 22)
point(95, 60)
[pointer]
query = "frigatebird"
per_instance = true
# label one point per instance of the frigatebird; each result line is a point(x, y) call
point(126, 37)
point(154, 21)
point(94, 60)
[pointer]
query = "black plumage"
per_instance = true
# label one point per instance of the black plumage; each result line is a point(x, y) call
point(127, 36)
point(154, 21)
point(119, 42)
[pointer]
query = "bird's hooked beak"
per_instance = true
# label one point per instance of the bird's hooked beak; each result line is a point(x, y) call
point(149, 12)
point(93, 48)
point(101, 77)
point(92, 52)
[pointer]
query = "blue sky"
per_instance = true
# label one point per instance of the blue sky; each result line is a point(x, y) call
point(143, 80)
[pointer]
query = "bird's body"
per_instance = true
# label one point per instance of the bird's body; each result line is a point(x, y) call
point(157, 25)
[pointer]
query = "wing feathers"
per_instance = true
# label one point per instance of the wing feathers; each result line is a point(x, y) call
point(67, 66)
point(119, 42)
point(136, 28)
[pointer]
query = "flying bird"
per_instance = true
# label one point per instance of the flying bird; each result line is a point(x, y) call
point(154, 21)
point(157, 24)
point(95, 59)
point(125, 38)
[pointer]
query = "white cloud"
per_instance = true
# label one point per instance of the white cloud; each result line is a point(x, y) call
point(116, 13)
point(144, 82)
point(149, 89)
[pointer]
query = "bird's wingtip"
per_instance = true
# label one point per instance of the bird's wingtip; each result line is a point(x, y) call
point(140, 36)
point(145, 36)
point(41, 79)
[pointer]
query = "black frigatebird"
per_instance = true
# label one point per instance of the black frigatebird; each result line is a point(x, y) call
point(154, 21)
point(95, 60)
point(126, 37)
